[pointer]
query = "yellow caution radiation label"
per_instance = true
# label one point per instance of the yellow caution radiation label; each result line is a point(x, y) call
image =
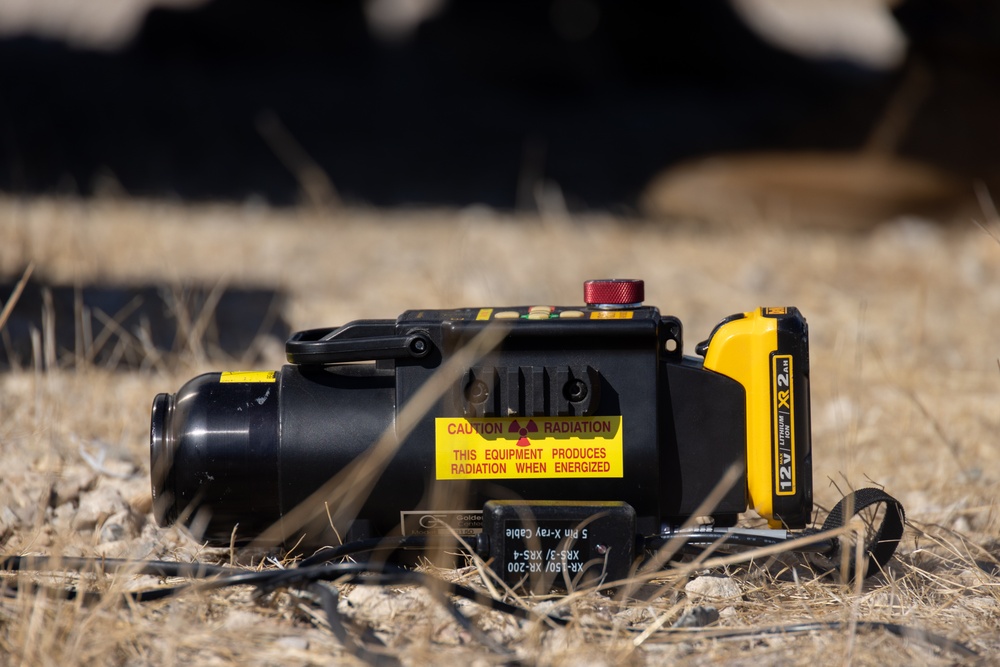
point(528, 447)
point(247, 376)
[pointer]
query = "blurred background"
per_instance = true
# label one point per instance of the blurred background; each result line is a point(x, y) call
point(191, 175)
point(518, 105)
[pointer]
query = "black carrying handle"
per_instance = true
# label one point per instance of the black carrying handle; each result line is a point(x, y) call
point(371, 340)
point(882, 545)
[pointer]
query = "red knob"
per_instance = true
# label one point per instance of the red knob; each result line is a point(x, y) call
point(617, 292)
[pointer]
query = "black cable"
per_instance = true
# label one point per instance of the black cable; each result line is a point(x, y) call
point(701, 539)
point(308, 578)
point(382, 574)
point(156, 568)
point(879, 545)
point(328, 599)
point(305, 579)
point(375, 544)
point(311, 578)
point(227, 576)
point(882, 544)
point(903, 631)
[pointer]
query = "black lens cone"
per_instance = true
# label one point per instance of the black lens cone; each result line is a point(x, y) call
point(161, 459)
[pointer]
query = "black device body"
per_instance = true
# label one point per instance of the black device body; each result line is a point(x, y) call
point(233, 454)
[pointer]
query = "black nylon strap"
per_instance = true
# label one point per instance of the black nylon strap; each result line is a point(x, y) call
point(882, 545)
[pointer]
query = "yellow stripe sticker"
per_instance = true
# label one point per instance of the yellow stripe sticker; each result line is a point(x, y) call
point(528, 447)
point(247, 376)
point(611, 315)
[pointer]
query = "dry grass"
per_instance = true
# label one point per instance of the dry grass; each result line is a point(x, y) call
point(905, 374)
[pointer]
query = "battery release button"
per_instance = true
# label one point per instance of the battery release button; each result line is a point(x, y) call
point(616, 293)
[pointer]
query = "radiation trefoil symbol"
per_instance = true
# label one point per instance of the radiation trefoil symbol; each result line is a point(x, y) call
point(523, 431)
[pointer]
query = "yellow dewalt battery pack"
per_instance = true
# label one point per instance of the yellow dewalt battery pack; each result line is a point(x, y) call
point(767, 351)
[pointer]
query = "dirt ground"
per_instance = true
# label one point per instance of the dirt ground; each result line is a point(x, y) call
point(905, 372)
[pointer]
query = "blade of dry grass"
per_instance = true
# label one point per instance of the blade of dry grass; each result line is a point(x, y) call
point(12, 300)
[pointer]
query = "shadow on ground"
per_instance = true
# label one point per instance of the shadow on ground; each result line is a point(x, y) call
point(129, 327)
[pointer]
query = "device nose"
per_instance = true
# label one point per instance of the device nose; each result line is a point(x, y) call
point(161, 457)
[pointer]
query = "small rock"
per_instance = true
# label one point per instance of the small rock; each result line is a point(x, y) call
point(241, 619)
point(883, 598)
point(29, 499)
point(981, 604)
point(368, 602)
point(973, 578)
point(8, 521)
point(294, 643)
point(112, 549)
point(713, 588)
point(127, 549)
point(71, 483)
point(96, 506)
point(728, 612)
point(697, 617)
point(961, 525)
point(61, 517)
point(27, 515)
point(633, 615)
point(122, 525)
point(119, 468)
